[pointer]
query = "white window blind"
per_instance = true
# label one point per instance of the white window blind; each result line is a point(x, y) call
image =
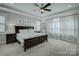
point(54, 25)
point(67, 26)
point(2, 24)
point(63, 25)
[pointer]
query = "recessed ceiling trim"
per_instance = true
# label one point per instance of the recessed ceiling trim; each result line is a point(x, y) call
point(17, 12)
point(74, 11)
point(21, 12)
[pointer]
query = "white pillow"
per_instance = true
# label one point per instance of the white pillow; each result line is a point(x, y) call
point(21, 31)
point(30, 30)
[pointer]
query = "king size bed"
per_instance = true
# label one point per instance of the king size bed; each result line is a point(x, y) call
point(27, 38)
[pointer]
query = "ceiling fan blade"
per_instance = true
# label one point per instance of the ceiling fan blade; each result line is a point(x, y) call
point(42, 5)
point(47, 9)
point(37, 5)
point(46, 5)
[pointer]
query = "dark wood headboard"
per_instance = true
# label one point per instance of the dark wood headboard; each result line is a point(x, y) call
point(17, 28)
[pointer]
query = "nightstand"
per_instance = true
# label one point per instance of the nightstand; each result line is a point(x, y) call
point(10, 38)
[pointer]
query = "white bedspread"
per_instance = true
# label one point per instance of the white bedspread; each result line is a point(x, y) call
point(26, 35)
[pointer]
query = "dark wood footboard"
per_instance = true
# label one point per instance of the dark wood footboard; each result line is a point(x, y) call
point(34, 41)
point(31, 41)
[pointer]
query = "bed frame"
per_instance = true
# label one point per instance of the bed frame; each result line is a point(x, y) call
point(31, 41)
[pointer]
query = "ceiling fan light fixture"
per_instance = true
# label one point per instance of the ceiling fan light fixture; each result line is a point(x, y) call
point(41, 10)
point(69, 6)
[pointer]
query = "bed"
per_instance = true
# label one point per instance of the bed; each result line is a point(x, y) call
point(29, 39)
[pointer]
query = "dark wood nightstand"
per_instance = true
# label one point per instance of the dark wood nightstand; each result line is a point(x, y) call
point(10, 38)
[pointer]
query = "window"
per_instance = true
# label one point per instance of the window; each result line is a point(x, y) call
point(64, 25)
point(38, 26)
point(67, 25)
point(54, 25)
point(2, 24)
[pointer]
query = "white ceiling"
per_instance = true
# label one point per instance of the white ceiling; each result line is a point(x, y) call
point(55, 7)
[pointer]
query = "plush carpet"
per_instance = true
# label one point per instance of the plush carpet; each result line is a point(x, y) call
point(51, 48)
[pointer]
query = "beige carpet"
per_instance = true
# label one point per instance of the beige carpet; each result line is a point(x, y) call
point(51, 48)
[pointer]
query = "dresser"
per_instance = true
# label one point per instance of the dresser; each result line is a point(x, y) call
point(10, 38)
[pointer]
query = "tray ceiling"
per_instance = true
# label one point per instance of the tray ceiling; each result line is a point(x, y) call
point(55, 7)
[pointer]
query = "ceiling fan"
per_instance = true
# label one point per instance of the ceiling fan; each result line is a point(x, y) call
point(43, 7)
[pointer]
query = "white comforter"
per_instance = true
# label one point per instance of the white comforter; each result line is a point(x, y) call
point(22, 36)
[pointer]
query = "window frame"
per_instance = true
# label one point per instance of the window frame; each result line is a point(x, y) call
point(3, 24)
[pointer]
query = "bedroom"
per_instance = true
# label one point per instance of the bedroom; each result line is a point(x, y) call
point(59, 28)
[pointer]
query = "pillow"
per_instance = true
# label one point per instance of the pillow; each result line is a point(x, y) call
point(30, 30)
point(21, 31)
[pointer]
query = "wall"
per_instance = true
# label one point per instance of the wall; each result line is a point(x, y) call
point(73, 39)
point(12, 20)
point(3, 35)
